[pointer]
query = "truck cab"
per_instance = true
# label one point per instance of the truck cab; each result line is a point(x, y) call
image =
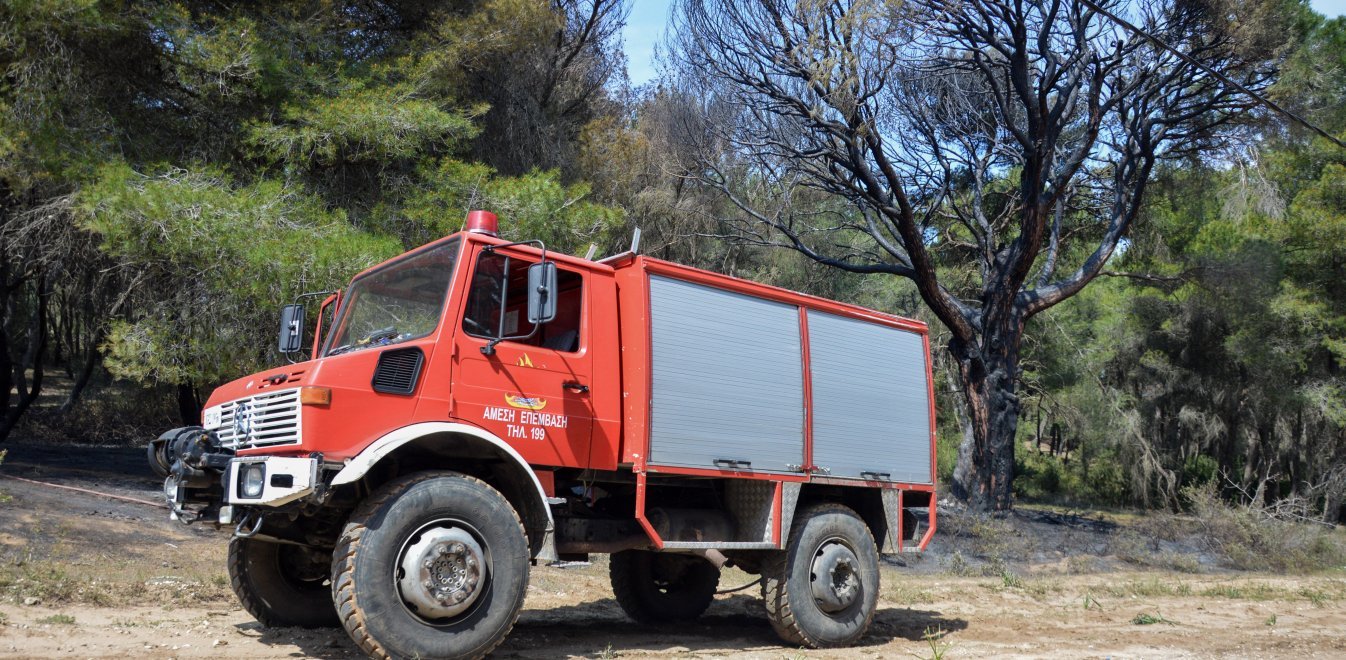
point(477, 405)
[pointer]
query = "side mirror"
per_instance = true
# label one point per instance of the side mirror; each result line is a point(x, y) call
point(291, 328)
point(541, 292)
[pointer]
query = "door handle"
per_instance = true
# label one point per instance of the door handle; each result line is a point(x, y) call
point(575, 386)
point(732, 464)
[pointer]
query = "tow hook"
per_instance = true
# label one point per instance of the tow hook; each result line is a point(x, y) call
point(241, 531)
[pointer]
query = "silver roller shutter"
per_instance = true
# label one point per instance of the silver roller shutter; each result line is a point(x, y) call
point(871, 407)
point(727, 378)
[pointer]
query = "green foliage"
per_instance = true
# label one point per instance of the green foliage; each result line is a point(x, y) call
point(206, 163)
point(934, 637)
point(1097, 481)
point(230, 255)
point(1200, 470)
point(361, 125)
point(1226, 367)
point(1091, 602)
point(535, 205)
point(1147, 619)
point(538, 205)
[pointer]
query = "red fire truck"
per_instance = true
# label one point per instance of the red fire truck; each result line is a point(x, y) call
point(475, 406)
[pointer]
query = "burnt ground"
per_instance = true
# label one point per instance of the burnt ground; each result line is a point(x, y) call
point(87, 576)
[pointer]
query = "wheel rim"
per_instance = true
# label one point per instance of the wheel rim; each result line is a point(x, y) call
point(443, 569)
point(834, 576)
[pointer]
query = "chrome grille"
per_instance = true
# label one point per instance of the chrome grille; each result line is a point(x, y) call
point(265, 420)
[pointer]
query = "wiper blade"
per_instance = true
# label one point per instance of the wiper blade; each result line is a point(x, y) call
point(389, 332)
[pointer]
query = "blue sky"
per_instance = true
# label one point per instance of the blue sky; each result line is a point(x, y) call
point(1328, 8)
point(645, 27)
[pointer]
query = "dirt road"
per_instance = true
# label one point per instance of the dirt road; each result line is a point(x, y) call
point(107, 578)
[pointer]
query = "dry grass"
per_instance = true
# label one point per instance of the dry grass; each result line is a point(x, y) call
point(58, 583)
point(1329, 591)
point(88, 560)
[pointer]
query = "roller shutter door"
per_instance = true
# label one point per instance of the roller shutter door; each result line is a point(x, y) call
point(727, 381)
point(871, 402)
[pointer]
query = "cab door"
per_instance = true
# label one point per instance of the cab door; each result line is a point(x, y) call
point(531, 388)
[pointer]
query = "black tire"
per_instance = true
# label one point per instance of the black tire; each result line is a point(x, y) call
point(823, 535)
point(660, 587)
point(158, 457)
point(281, 584)
point(405, 520)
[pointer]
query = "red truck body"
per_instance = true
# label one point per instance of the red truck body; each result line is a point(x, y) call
point(663, 411)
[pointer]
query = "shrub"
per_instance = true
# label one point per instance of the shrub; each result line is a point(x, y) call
point(1255, 537)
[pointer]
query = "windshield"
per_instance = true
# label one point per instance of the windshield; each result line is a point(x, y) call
point(396, 303)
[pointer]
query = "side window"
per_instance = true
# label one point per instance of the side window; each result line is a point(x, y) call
point(497, 304)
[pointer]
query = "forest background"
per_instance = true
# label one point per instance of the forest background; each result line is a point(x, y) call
point(171, 173)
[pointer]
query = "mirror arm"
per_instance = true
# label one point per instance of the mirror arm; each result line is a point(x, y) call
point(313, 294)
point(541, 246)
point(489, 348)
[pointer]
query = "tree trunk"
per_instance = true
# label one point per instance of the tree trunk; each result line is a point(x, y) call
point(6, 362)
point(85, 374)
point(189, 404)
point(6, 378)
point(37, 348)
point(985, 472)
point(964, 475)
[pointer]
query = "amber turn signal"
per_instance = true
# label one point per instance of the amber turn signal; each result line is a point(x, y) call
point(315, 396)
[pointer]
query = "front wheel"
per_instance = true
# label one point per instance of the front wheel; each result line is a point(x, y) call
point(822, 590)
point(432, 565)
point(282, 584)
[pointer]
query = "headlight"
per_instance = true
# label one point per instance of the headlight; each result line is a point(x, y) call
point(251, 480)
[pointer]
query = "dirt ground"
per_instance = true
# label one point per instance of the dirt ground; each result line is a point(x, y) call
point(90, 577)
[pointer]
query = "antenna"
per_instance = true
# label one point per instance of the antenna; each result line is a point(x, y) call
point(635, 241)
point(593, 249)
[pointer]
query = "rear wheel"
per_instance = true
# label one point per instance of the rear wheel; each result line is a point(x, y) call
point(281, 584)
point(660, 587)
point(821, 591)
point(433, 565)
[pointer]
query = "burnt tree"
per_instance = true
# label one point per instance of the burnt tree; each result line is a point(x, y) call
point(994, 152)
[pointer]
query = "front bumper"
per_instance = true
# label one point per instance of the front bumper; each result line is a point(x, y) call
point(207, 481)
point(283, 480)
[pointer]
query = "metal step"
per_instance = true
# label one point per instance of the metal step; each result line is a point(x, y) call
point(718, 545)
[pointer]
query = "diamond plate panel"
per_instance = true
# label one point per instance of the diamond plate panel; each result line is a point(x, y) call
point(789, 500)
point(892, 511)
point(749, 502)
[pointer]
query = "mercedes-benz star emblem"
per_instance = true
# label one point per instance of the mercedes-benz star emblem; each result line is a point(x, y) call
point(243, 420)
